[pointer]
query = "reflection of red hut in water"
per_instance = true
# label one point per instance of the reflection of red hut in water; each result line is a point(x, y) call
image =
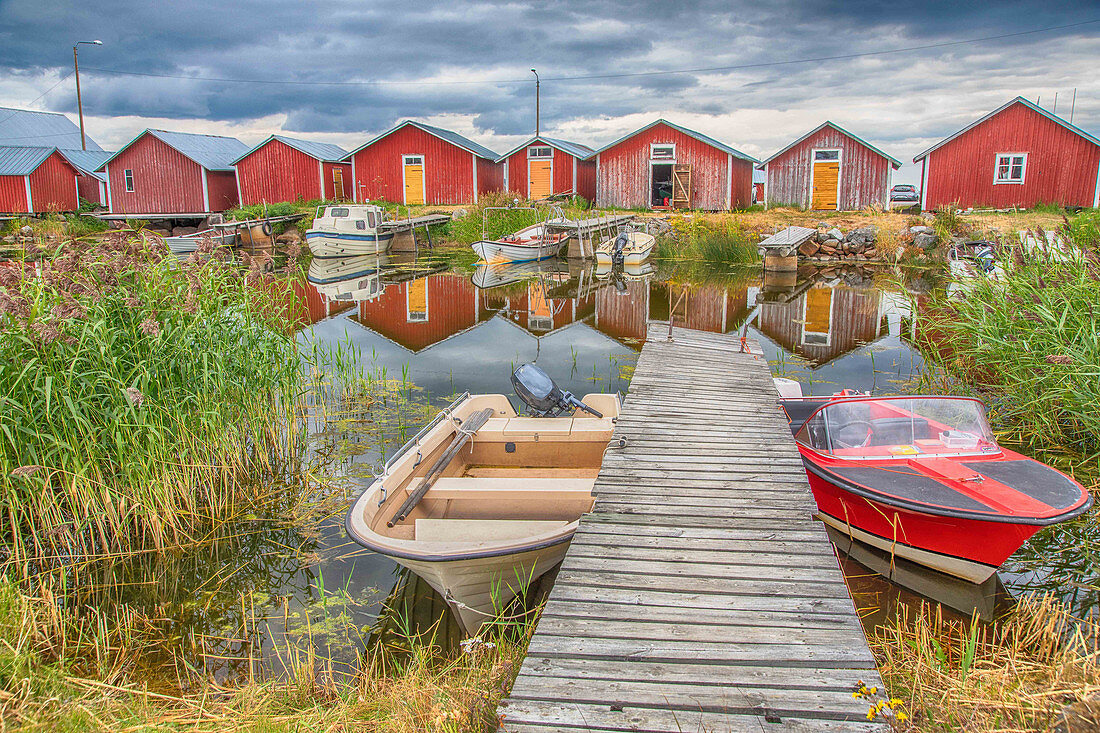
point(311, 306)
point(420, 313)
point(823, 323)
point(623, 315)
point(703, 307)
point(533, 310)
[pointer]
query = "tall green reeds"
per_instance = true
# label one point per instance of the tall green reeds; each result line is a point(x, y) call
point(722, 242)
point(141, 397)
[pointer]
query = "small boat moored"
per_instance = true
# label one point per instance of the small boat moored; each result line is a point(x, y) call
point(527, 245)
point(922, 477)
point(483, 501)
point(348, 229)
point(629, 248)
point(188, 243)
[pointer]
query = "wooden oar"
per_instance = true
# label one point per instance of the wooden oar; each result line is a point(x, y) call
point(468, 427)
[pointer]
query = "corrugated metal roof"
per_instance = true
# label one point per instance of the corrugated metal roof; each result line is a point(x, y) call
point(212, 152)
point(450, 136)
point(575, 149)
point(1049, 115)
point(88, 161)
point(896, 163)
point(30, 128)
point(321, 151)
point(22, 161)
point(690, 133)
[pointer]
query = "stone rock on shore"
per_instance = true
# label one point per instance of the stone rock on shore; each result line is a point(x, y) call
point(924, 241)
point(862, 236)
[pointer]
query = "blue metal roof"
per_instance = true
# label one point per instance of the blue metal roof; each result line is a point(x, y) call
point(575, 149)
point(452, 137)
point(29, 128)
point(321, 151)
point(88, 161)
point(22, 161)
point(690, 133)
point(212, 152)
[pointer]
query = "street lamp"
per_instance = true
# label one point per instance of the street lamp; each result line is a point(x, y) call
point(536, 101)
point(79, 106)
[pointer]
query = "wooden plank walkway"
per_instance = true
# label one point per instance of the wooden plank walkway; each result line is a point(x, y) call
point(700, 593)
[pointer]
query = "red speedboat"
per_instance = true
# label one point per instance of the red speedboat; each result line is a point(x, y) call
point(923, 478)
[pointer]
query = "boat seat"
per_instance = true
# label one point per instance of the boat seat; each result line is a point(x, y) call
point(898, 430)
point(482, 530)
point(497, 487)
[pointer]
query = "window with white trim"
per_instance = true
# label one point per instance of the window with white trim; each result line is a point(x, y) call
point(660, 151)
point(826, 155)
point(540, 152)
point(1011, 168)
point(129, 175)
point(414, 160)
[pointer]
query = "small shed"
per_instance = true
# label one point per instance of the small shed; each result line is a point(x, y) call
point(180, 173)
point(1017, 155)
point(22, 128)
point(35, 180)
point(663, 165)
point(545, 166)
point(828, 168)
point(414, 163)
point(286, 169)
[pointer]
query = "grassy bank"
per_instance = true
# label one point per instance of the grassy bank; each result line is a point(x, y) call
point(143, 398)
point(698, 241)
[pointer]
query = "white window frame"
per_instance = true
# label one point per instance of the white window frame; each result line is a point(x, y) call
point(1010, 156)
point(839, 177)
point(531, 152)
point(423, 173)
point(128, 179)
point(654, 159)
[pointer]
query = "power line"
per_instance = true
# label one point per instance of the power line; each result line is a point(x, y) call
point(587, 77)
point(17, 111)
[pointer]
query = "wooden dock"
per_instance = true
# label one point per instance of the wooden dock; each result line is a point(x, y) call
point(408, 224)
point(586, 234)
point(700, 593)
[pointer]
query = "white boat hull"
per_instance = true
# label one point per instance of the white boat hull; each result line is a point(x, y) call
point(331, 244)
point(638, 250)
point(494, 252)
point(189, 243)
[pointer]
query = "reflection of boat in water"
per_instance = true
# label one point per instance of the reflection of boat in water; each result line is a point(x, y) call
point(483, 501)
point(629, 248)
point(349, 229)
point(188, 243)
point(348, 278)
point(921, 477)
point(955, 593)
point(527, 245)
point(637, 271)
point(505, 273)
point(413, 609)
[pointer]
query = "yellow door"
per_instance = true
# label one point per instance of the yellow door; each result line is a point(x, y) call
point(826, 185)
point(414, 179)
point(540, 172)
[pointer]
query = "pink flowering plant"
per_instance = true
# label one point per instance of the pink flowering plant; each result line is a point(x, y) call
point(140, 395)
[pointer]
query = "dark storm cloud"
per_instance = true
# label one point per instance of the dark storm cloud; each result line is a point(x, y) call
point(406, 41)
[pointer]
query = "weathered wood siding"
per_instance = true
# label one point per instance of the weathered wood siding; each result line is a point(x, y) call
point(53, 185)
point(864, 173)
point(13, 194)
point(330, 182)
point(278, 172)
point(91, 189)
point(623, 173)
point(586, 179)
point(490, 176)
point(165, 180)
point(221, 187)
point(1061, 165)
point(448, 169)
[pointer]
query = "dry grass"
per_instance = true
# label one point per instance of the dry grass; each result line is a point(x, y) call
point(1016, 674)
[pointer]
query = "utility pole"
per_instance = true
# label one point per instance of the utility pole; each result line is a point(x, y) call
point(79, 106)
point(536, 101)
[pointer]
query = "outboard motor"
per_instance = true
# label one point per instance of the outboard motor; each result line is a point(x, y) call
point(542, 396)
point(984, 255)
point(621, 242)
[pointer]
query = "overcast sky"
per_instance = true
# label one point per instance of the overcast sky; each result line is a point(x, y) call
point(466, 67)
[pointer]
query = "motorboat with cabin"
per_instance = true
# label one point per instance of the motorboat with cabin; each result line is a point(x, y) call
point(484, 500)
point(346, 230)
point(922, 478)
point(628, 248)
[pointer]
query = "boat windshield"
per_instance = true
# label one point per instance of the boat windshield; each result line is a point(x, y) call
point(896, 427)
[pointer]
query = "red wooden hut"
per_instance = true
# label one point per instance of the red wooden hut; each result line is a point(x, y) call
point(35, 180)
point(181, 173)
point(416, 163)
point(663, 165)
point(1017, 155)
point(285, 169)
point(24, 128)
point(829, 168)
point(544, 166)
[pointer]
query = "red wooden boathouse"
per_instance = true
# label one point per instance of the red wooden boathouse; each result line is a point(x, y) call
point(829, 168)
point(162, 172)
point(286, 169)
point(544, 166)
point(663, 165)
point(24, 128)
point(1017, 155)
point(36, 180)
point(414, 163)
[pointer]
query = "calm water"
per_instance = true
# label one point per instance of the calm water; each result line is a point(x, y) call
point(425, 334)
